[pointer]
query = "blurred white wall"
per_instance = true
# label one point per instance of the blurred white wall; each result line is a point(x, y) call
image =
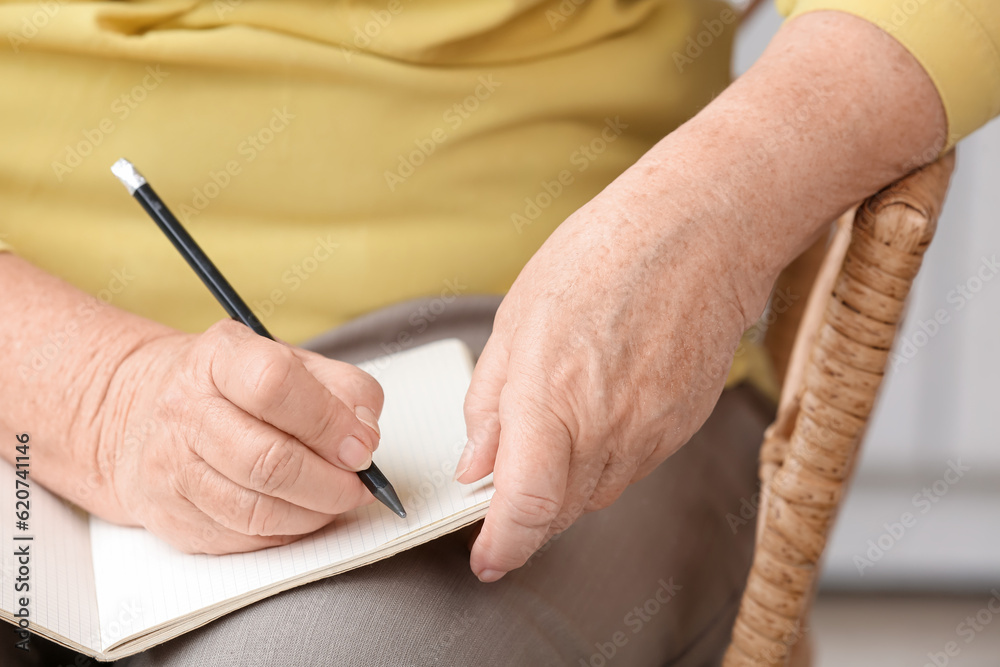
point(908, 522)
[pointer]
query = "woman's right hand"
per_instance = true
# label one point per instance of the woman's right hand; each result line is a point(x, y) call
point(227, 441)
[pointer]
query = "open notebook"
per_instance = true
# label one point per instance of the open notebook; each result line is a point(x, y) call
point(110, 591)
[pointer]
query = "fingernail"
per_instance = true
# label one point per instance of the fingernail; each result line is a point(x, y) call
point(367, 417)
point(465, 461)
point(489, 576)
point(354, 454)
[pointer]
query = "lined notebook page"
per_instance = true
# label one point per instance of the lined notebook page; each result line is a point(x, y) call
point(423, 432)
point(61, 576)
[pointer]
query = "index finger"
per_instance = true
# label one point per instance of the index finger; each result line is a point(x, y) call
point(347, 382)
point(270, 382)
point(530, 477)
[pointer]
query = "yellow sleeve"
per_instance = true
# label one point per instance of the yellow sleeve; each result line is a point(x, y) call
point(956, 41)
point(5, 247)
point(752, 364)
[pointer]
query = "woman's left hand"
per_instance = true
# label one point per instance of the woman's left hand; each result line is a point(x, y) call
point(613, 345)
point(608, 353)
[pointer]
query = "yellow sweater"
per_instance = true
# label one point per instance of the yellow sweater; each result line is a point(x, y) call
point(335, 157)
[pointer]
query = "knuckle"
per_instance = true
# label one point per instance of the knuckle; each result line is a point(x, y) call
point(369, 386)
point(476, 404)
point(187, 477)
point(599, 502)
point(267, 376)
point(276, 468)
point(504, 321)
point(262, 518)
point(337, 500)
point(479, 407)
point(223, 329)
point(202, 360)
point(606, 495)
point(541, 409)
point(329, 429)
point(531, 510)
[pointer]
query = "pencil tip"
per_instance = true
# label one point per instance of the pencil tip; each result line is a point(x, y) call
point(387, 496)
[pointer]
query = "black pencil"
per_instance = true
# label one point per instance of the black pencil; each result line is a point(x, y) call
point(220, 288)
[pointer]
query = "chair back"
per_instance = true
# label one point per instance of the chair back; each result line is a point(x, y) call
point(834, 371)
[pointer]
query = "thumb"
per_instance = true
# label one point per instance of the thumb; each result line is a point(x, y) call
point(531, 477)
point(482, 418)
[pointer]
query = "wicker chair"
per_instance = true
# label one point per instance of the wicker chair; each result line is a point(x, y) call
point(842, 345)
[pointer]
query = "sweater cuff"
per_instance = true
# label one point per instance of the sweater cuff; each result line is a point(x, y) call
point(954, 46)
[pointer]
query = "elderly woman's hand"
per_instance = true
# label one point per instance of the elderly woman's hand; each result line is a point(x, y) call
point(226, 441)
point(613, 344)
point(608, 353)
